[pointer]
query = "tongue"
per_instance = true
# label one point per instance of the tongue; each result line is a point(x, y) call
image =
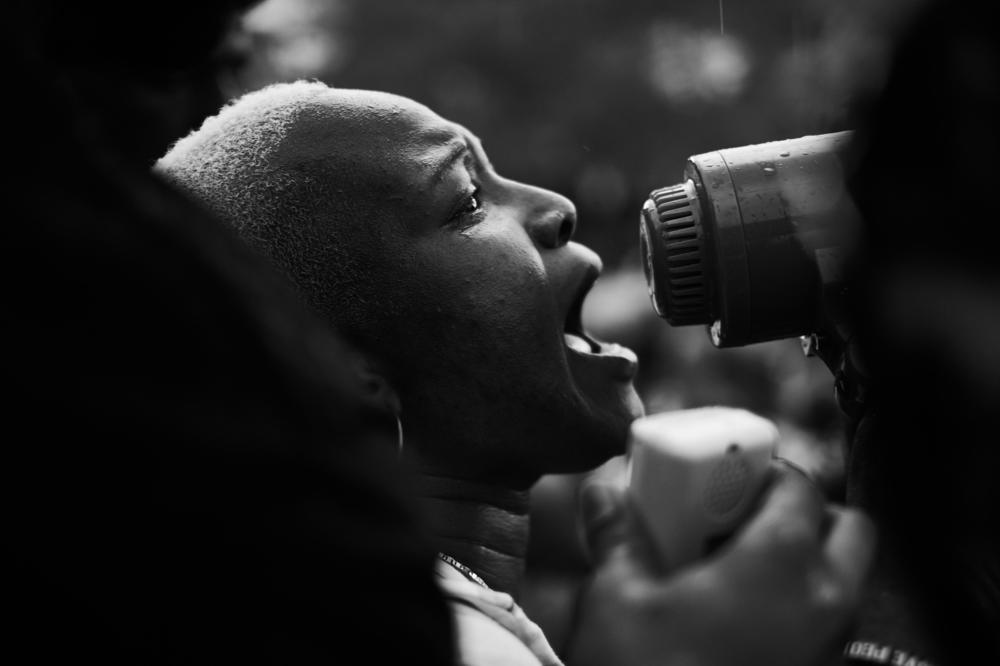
point(577, 343)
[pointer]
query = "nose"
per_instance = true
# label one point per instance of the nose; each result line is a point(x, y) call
point(550, 218)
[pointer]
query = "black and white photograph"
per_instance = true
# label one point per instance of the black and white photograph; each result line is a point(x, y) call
point(502, 332)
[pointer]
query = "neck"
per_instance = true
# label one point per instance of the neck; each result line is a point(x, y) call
point(482, 526)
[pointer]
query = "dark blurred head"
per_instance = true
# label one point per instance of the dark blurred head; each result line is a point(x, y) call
point(928, 285)
point(927, 292)
point(138, 75)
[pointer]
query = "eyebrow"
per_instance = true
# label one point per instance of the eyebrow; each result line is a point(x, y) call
point(480, 152)
point(458, 149)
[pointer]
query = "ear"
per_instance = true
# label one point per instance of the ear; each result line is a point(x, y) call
point(375, 387)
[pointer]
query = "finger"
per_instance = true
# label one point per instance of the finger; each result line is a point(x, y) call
point(792, 508)
point(782, 463)
point(603, 513)
point(850, 547)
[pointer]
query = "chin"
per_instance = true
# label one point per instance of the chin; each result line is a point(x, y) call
point(600, 431)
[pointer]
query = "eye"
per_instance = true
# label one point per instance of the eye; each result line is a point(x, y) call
point(468, 210)
point(472, 204)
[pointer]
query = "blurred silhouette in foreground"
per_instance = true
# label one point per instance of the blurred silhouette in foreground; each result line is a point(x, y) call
point(927, 289)
point(194, 474)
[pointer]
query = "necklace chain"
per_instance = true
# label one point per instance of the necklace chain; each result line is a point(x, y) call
point(466, 571)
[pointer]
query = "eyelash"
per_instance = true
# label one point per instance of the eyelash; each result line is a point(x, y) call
point(465, 217)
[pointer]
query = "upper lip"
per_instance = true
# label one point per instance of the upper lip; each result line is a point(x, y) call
point(574, 314)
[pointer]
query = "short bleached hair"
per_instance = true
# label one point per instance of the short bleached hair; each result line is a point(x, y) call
point(253, 164)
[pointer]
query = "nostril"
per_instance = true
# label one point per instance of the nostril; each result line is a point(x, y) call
point(566, 228)
point(552, 223)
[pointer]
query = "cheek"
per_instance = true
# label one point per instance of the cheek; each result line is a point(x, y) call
point(508, 292)
point(482, 299)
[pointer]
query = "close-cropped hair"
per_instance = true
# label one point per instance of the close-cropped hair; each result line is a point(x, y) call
point(253, 166)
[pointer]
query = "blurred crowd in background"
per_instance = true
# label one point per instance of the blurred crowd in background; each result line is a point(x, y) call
point(603, 101)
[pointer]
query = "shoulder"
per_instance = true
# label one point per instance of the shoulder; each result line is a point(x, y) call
point(482, 641)
point(486, 623)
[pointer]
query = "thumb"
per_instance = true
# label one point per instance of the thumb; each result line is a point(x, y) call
point(602, 509)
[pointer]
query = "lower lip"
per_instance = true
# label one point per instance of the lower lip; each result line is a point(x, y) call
point(619, 361)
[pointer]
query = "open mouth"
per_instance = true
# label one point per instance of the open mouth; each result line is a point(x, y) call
point(573, 334)
point(620, 361)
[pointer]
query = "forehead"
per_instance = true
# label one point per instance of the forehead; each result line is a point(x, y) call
point(385, 136)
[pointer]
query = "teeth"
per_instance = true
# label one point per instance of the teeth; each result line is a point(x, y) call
point(615, 349)
point(577, 343)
